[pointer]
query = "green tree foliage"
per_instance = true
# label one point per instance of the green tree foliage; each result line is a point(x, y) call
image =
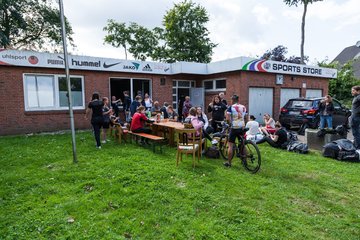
point(31, 24)
point(305, 3)
point(183, 36)
point(340, 87)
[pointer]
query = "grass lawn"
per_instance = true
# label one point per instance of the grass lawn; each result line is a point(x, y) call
point(128, 192)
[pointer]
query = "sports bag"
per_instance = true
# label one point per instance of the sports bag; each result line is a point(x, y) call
point(342, 150)
point(331, 150)
point(298, 147)
point(212, 152)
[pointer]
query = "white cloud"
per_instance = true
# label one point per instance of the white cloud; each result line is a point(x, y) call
point(262, 14)
point(240, 27)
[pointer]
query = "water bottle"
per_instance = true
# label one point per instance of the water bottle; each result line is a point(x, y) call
point(162, 116)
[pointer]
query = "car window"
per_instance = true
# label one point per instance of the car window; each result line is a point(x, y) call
point(336, 104)
point(300, 104)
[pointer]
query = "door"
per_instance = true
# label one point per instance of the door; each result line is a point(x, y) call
point(260, 102)
point(197, 97)
point(288, 93)
point(313, 93)
point(340, 116)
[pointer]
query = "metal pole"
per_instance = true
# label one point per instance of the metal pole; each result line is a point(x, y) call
point(68, 80)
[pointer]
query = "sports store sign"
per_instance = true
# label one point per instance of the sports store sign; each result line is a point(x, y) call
point(49, 60)
point(288, 68)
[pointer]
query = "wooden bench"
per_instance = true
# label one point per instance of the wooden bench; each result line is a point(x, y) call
point(155, 140)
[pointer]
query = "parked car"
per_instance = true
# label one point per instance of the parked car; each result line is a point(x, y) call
point(298, 111)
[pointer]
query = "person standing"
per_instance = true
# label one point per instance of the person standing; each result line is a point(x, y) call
point(222, 98)
point(127, 103)
point(186, 107)
point(235, 114)
point(355, 115)
point(147, 102)
point(97, 120)
point(326, 109)
point(107, 111)
point(135, 104)
point(217, 110)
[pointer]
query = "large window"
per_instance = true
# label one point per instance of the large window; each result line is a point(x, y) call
point(49, 92)
point(215, 85)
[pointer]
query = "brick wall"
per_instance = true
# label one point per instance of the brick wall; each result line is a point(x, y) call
point(15, 120)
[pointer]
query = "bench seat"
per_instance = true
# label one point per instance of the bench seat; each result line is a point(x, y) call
point(155, 140)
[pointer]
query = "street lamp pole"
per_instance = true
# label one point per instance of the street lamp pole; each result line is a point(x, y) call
point(68, 80)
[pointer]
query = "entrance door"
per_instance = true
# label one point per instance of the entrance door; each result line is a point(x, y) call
point(288, 93)
point(197, 97)
point(260, 102)
point(118, 86)
point(141, 86)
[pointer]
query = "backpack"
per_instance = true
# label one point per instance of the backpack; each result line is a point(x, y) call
point(212, 152)
point(342, 150)
point(298, 147)
point(341, 130)
point(291, 136)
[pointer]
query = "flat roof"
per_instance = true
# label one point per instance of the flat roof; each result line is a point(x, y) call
point(55, 60)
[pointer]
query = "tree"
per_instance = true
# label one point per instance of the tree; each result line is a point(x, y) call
point(340, 86)
point(31, 24)
point(183, 36)
point(305, 3)
point(278, 54)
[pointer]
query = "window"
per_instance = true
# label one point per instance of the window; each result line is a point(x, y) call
point(48, 92)
point(215, 85)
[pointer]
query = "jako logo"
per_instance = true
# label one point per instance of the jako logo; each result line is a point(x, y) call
point(147, 68)
point(134, 67)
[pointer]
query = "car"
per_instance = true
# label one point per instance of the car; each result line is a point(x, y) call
point(298, 112)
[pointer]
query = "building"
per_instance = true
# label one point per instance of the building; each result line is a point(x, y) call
point(33, 85)
point(348, 54)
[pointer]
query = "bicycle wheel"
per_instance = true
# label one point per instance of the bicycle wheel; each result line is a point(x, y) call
point(223, 147)
point(251, 158)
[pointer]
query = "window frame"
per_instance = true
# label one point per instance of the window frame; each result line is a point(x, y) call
point(214, 89)
point(56, 106)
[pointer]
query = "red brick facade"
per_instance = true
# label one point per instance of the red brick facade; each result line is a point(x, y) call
point(15, 120)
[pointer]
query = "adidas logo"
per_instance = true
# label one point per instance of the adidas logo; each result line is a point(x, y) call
point(147, 68)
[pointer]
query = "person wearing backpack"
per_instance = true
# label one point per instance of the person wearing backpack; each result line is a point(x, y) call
point(355, 115)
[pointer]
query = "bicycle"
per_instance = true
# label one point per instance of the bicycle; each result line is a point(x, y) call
point(247, 151)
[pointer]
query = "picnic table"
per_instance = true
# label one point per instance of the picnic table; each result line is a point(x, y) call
point(171, 126)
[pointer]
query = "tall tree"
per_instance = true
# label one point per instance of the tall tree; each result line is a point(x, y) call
point(305, 3)
point(183, 36)
point(31, 24)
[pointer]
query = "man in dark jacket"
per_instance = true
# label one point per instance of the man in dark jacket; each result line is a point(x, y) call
point(355, 115)
point(135, 104)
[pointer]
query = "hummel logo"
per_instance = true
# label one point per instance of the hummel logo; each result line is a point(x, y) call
point(147, 68)
point(110, 65)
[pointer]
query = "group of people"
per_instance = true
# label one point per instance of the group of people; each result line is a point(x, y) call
point(139, 111)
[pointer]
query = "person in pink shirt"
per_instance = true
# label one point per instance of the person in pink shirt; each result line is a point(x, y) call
point(195, 122)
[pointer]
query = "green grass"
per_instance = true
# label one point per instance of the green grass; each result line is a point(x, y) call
point(125, 191)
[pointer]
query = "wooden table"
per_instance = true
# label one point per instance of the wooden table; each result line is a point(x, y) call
point(171, 126)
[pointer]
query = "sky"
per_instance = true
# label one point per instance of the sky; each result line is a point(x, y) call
point(239, 27)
